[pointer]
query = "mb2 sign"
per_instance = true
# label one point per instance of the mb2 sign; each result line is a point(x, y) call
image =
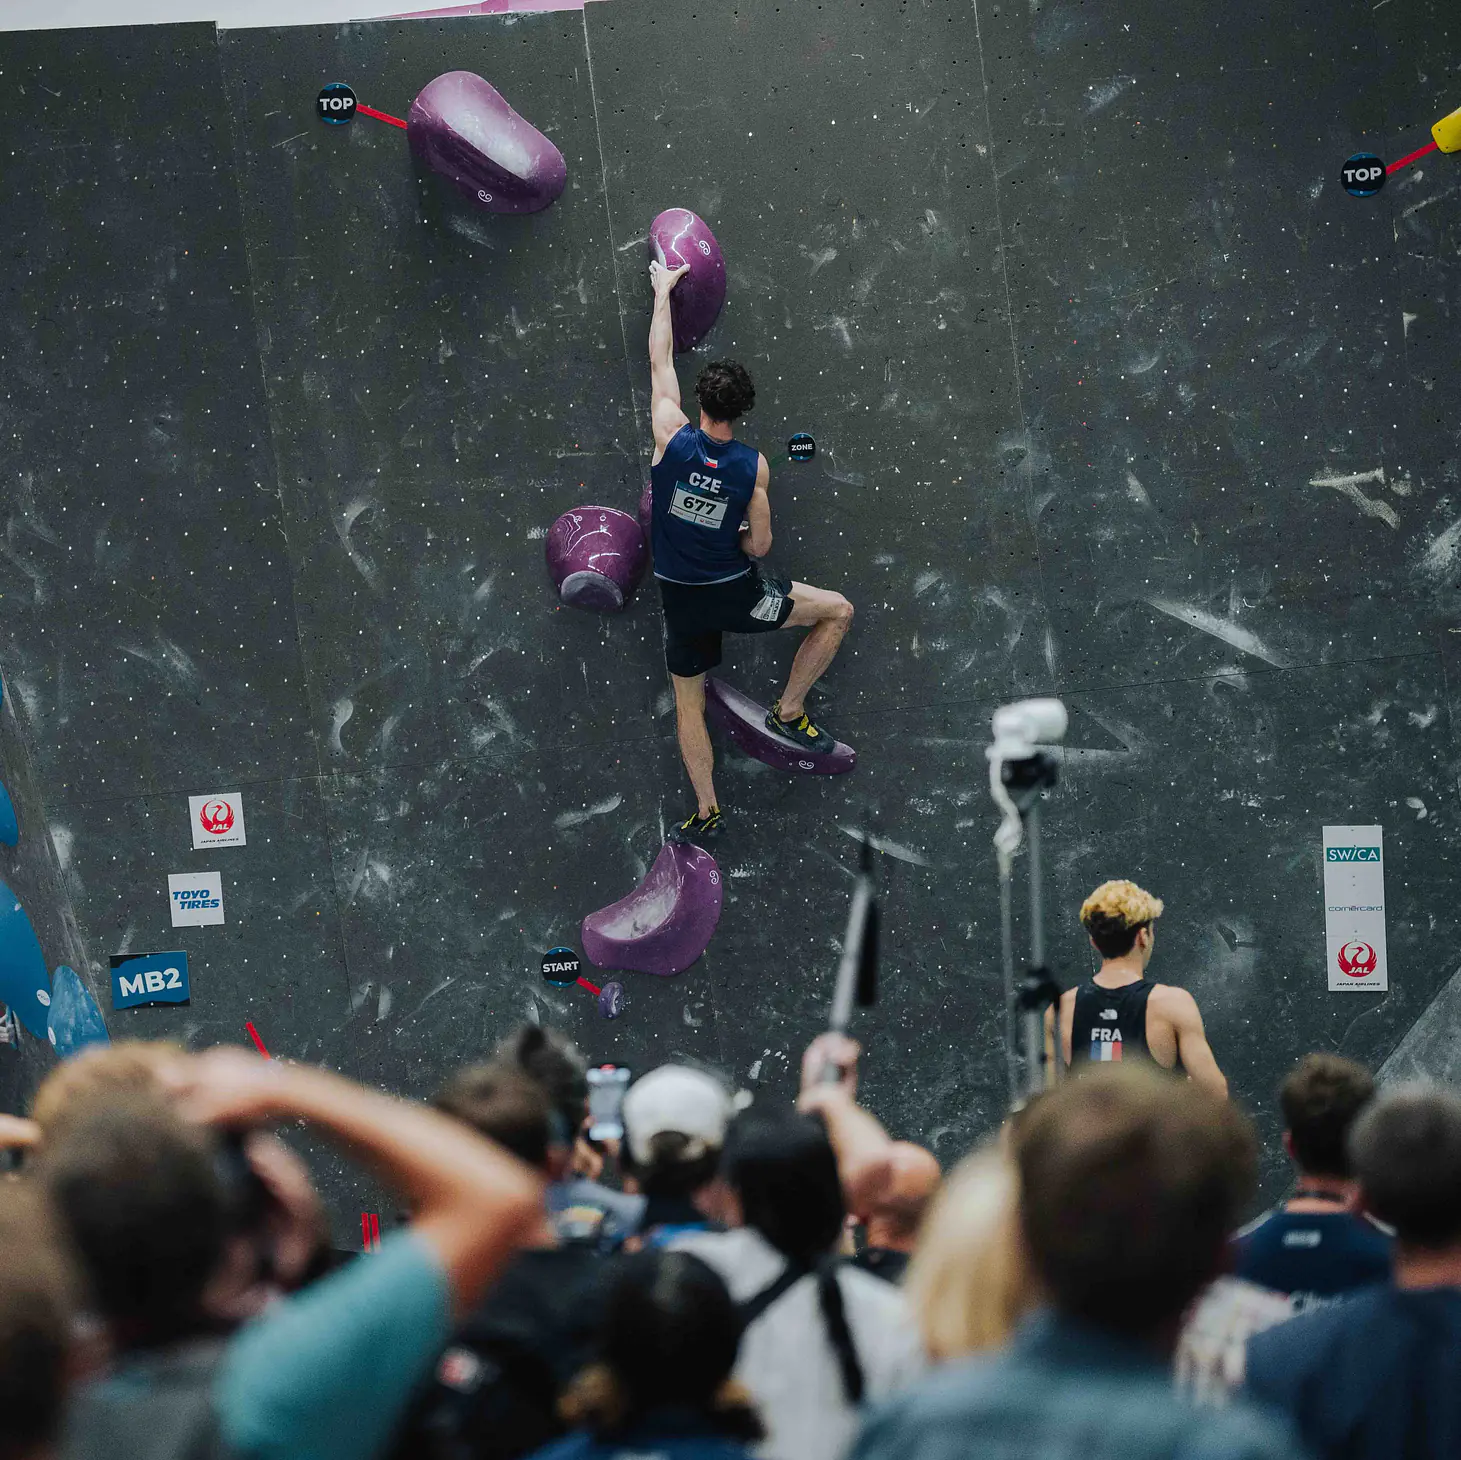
point(149, 978)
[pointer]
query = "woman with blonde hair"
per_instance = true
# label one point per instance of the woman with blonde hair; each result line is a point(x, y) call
point(968, 1284)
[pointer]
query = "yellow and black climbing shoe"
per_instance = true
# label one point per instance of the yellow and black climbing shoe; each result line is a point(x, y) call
point(698, 828)
point(801, 732)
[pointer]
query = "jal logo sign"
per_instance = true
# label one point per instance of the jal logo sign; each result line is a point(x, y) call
point(196, 898)
point(1357, 960)
point(218, 820)
point(1353, 870)
point(149, 978)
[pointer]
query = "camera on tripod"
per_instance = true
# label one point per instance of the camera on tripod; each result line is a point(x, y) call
point(1022, 766)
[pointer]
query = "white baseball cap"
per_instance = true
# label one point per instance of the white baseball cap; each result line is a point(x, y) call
point(680, 1099)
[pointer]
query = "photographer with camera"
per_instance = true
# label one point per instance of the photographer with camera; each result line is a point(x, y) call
point(155, 1188)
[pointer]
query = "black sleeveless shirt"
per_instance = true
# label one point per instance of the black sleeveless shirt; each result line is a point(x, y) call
point(1109, 1024)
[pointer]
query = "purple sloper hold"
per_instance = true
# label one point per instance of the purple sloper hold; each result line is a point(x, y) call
point(666, 923)
point(596, 556)
point(745, 722)
point(678, 237)
point(462, 127)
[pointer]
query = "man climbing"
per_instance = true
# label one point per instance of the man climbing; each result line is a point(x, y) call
point(1118, 1015)
point(712, 516)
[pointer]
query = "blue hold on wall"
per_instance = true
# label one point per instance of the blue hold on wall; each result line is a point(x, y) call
point(9, 826)
point(75, 1021)
point(24, 983)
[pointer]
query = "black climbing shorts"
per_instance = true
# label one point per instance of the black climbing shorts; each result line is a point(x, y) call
point(697, 614)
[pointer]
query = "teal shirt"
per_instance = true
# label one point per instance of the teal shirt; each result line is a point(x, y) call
point(1064, 1390)
point(328, 1373)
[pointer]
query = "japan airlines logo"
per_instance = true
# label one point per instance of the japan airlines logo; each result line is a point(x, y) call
point(218, 820)
point(1358, 960)
point(216, 817)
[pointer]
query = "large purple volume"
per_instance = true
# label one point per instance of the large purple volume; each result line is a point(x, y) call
point(678, 237)
point(596, 556)
point(666, 923)
point(461, 127)
point(745, 722)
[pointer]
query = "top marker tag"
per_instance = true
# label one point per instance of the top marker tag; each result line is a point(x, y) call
point(336, 104)
point(1362, 175)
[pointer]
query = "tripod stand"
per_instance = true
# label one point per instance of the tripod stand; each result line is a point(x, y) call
point(1021, 770)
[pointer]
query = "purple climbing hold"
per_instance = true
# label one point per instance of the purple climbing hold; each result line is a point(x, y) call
point(745, 722)
point(611, 999)
point(461, 127)
point(678, 237)
point(646, 510)
point(666, 923)
point(596, 556)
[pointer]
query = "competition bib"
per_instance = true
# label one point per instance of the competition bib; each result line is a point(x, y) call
point(690, 506)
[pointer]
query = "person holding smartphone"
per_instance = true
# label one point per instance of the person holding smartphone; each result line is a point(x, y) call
point(583, 1209)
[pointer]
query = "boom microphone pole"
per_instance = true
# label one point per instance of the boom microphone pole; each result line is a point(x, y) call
point(857, 970)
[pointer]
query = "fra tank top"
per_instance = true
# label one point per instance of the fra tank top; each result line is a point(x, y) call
point(1109, 1024)
point(701, 490)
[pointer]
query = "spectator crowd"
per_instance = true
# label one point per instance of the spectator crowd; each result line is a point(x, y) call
point(727, 1279)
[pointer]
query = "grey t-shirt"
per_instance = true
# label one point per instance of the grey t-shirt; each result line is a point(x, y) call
point(787, 1361)
point(152, 1406)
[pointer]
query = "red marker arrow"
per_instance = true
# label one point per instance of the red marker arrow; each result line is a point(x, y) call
point(370, 111)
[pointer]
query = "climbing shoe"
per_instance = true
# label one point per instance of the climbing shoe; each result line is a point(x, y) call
point(801, 732)
point(698, 828)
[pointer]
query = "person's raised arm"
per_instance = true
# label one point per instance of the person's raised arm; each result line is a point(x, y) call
point(665, 413)
point(1192, 1046)
point(471, 1202)
point(756, 534)
point(864, 1149)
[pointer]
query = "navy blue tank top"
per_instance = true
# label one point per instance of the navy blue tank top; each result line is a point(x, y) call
point(701, 491)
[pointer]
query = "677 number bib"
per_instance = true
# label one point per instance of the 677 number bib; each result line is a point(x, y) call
point(690, 506)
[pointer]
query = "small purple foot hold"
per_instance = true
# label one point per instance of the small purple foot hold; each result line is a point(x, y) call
point(611, 999)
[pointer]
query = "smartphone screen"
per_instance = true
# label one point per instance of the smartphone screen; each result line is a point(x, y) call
point(606, 1087)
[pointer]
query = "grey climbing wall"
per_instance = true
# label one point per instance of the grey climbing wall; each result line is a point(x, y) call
point(150, 638)
point(1244, 478)
point(443, 384)
point(1117, 395)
